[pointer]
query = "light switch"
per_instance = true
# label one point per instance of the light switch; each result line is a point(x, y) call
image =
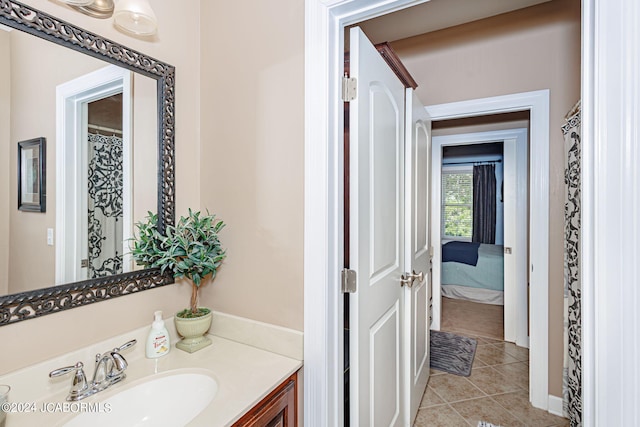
point(50, 236)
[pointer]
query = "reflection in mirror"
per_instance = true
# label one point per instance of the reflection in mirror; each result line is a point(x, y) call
point(33, 282)
point(105, 189)
point(100, 123)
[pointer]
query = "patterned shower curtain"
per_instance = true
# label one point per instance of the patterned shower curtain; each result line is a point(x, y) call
point(572, 384)
point(105, 206)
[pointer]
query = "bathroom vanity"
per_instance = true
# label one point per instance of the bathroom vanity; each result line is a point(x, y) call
point(253, 386)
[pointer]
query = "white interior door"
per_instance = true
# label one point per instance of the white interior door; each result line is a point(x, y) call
point(417, 244)
point(515, 241)
point(376, 238)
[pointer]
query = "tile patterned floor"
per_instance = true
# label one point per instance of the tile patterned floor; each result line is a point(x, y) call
point(495, 392)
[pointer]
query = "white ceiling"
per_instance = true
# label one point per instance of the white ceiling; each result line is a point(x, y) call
point(435, 15)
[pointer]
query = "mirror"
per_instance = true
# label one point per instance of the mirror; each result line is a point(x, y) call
point(105, 114)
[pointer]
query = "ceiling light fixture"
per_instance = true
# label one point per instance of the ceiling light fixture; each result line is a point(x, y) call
point(100, 9)
point(131, 16)
point(136, 17)
point(78, 2)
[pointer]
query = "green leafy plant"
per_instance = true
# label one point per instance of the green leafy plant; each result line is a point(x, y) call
point(190, 249)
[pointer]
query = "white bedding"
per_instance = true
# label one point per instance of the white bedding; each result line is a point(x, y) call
point(482, 283)
point(484, 296)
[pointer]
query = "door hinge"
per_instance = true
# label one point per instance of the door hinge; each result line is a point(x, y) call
point(349, 88)
point(348, 281)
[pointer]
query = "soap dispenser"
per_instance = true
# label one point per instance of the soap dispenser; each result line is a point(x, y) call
point(158, 342)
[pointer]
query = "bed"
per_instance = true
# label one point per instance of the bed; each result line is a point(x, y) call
point(473, 271)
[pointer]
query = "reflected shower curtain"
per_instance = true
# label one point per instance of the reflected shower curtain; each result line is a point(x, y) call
point(105, 206)
point(484, 204)
point(572, 384)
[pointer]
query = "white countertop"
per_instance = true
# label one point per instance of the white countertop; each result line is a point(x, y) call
point(245, 375)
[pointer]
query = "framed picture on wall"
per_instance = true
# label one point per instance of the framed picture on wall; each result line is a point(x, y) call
point(31, 175)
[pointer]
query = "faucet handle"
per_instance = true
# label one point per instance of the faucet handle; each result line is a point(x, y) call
point(65, 370)
point(126, 345)
point(119, 362)
point(79, 382)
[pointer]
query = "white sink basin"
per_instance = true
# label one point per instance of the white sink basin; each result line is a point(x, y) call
point(171, 401)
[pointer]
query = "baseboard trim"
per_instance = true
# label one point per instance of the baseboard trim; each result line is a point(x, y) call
point(523, 343)
point(555, 405)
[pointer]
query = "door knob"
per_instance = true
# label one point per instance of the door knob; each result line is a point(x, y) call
point(419, 276)
point(408, 278)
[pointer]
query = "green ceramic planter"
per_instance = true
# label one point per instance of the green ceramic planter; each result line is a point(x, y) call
point(193, 332)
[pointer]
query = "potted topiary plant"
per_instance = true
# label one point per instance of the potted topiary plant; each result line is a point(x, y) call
point(190, 249)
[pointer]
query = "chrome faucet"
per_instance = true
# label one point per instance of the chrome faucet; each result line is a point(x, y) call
point(109, 370)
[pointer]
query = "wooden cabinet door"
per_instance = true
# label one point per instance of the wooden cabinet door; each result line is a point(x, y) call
point(278, 409)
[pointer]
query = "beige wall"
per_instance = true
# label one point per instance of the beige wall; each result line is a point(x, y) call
point(531, 49)
point(252, 155)
point(33, 114)
point(5, 115)
point(145, 147)
point(49, 336)
point(33, 106)
point(249, 166)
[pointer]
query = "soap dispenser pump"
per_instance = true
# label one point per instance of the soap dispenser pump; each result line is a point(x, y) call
point(158, 342)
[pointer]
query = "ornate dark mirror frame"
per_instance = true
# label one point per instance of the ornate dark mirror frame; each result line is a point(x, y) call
point(31, 304)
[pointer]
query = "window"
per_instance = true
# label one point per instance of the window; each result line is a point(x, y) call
point(457, 202)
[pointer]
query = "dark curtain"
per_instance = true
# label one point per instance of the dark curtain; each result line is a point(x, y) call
point(484, 204)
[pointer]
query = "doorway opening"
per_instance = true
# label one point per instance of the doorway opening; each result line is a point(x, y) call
point(93, 175)
point(535, 105)
point(323, 234)
point(480, 265)
point(471, 269)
